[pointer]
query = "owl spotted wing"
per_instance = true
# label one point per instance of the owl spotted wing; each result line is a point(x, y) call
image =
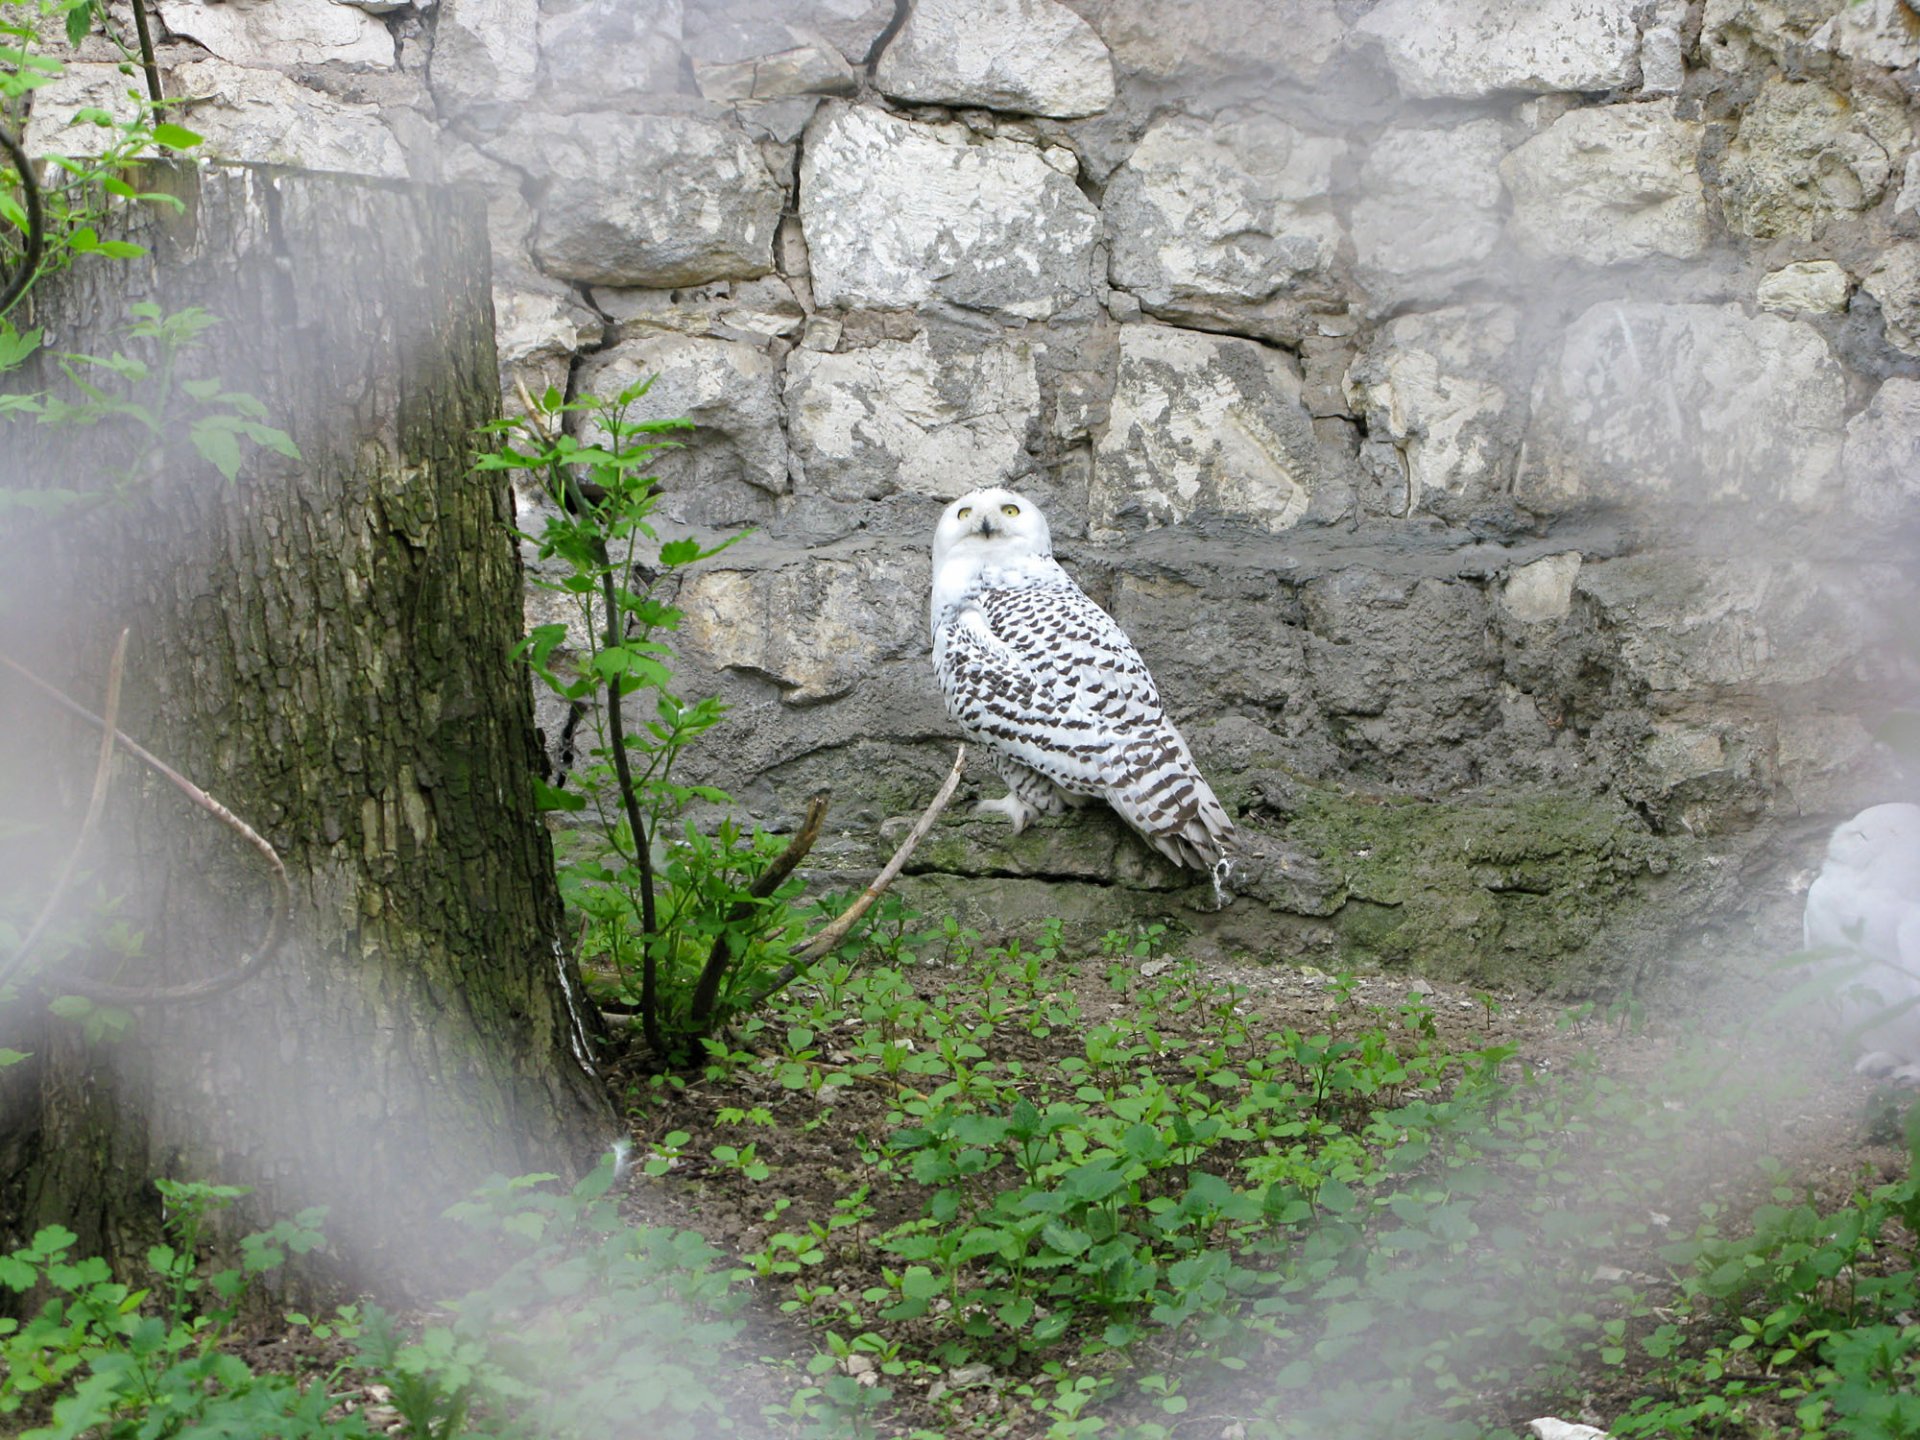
point(1056, 685)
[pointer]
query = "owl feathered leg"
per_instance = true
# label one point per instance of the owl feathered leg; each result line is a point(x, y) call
point(1029, 794)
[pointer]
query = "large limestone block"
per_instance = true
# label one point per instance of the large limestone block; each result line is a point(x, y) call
point(730, 391)
point(1805, 154)
point(1467, 49)
point(1035, 57)
point(608, 54)
point(899, 214)
point(1211, 39)
point(654, 200)
point(280, 34)
point(1201, 425)
point(1882, 459)
point(240, 114)
point(261, 115)
point(1430, 208)
point(486, 55)
point(816, 626)
point(1610, 183)
point(1684, 404)
point(1688, 623)
point(1437, 387)
point(1894, 281)
point(1216, 218)
point(905, 416)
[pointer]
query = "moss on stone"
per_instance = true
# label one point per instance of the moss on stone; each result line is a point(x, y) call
point(1503, 888)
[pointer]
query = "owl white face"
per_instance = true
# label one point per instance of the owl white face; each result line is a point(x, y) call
point(1879, 837)
point(992, 524)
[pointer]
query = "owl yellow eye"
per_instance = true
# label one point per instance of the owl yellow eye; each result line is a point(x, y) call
point(965, 510)
point(1009, 509)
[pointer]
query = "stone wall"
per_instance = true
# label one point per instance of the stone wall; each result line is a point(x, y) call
point(1498, 425)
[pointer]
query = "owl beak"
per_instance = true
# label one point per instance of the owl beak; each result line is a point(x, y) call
point(986, 526)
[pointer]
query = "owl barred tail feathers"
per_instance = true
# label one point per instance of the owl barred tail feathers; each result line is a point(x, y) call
point(1043, 678)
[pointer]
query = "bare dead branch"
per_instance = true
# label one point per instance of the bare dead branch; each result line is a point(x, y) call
point(706, 993)
point(279, 916)
point(837, 931)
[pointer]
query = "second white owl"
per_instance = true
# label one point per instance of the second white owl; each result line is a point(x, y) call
point(1050, 686)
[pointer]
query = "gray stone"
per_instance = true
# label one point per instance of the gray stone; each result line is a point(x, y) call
point(755, 311)
point(1689, 625)
point(653, 200)
point(850, 26)
point(1203, 40)
point(1687, 405)
point(1610, 183)
point(899, 214)
point(280, 34)
point(539, 326)
point(1804, 155)
point(1737, 35)
point(1663, 61)
point(783, 65)
point(1907, 202)
point(1467, 49)
point(1211, 221)
point(1035, 57)
point(1430, 208)
point(1201, 425)
point(1813, 286)
point(912, 417)
point(1438, 387)
point(731, 393)
point(1881, 463)
point(608, 54)
point(1541, 590)
point(261, 115)
point(81, 85)
point(816, 627)
point(1894, 281)
point(1873, 32)
point(486, 55)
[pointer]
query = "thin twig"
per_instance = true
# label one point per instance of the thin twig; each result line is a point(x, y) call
point(95, 804)
point(279, 917)
point(706, 992)
point(837, 931)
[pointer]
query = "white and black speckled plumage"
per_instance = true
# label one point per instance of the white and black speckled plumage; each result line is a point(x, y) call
point(1042, 678)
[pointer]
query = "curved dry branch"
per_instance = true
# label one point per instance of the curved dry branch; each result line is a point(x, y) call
point(279, 917)
point(834, 933)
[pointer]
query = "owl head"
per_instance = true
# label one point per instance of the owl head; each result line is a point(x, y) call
point(991, 524)
point(1881, 838)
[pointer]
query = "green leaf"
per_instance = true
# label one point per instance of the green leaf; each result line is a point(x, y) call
point(218, 446)
point(13, 1057)
point(175, 137)
point(679, 552)
point(79, 22)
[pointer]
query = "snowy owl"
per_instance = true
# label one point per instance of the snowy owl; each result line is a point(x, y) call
point(1041, 676)
point(1866, 899)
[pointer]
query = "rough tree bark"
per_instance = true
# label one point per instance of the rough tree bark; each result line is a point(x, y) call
point(323, 645)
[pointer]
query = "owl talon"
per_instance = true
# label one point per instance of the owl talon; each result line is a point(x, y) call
point(1016, 810)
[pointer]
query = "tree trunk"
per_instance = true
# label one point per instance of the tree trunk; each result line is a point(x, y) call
point(323, 645)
